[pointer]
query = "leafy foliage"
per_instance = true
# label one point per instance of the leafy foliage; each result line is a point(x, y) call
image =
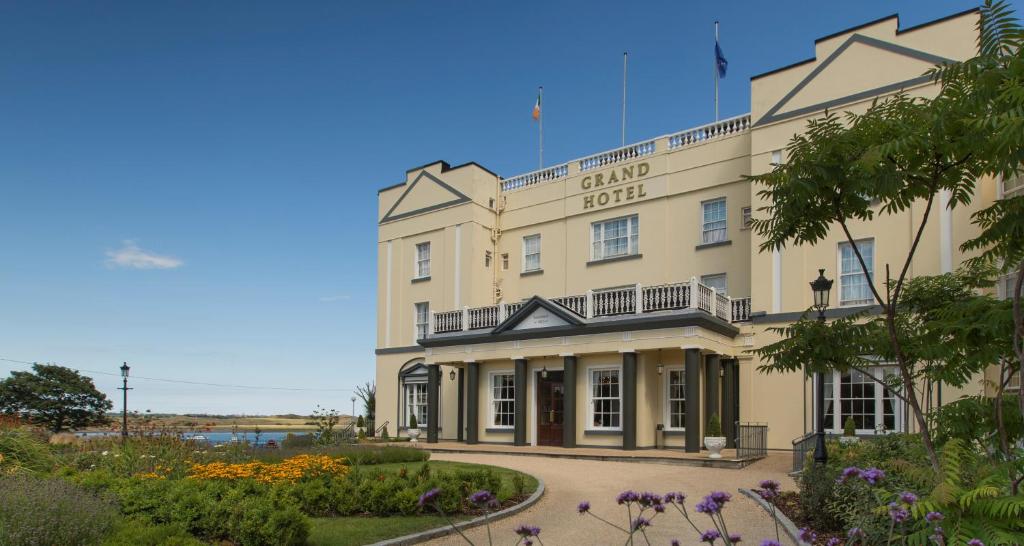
point(972, 420)
point(51, 511)
point(714, 427)
point(56, 397)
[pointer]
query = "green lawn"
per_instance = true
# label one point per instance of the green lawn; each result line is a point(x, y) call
point(355, 530)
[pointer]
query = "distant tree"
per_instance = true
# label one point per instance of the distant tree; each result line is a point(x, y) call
point(368, 394)
point(55, 397)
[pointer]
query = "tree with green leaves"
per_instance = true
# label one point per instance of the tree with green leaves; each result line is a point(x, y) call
point(906, 152)
point(368, 394)
point(54, 397)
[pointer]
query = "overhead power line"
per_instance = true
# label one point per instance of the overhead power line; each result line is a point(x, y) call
point(186, 382)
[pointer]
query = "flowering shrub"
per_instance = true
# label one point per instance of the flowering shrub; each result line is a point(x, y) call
point(291, 469)
point(51, 511)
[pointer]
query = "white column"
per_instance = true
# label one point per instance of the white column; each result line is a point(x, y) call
point(694, 293)
point(945, 232)
point(590, 304)
point(465, 318)
point(387, 298)
point(639, 299)
point(776, 281)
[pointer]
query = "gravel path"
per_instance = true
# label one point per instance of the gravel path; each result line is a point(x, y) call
point(570, 481)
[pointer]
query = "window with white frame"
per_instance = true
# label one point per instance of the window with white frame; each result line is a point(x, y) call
point(853, 282)
point(615, 237)
point(422, 260)
point(713, 228)
point(676, 398)
point(1013, 186)
point(748, 217)
point(503, 400)
point(858, 395)
point(1007, 284)
point(416, 402)
point(776, 157)
point(422, 319)
point(531, 253)
point(717, 281)
point(605, 398)
point(1014, 383)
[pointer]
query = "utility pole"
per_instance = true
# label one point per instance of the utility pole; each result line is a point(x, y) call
point(124, 407)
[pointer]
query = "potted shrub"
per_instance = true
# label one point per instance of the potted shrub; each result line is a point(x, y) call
point(849, 432)
point(361, 426)
point(414, 430)
point(713, 439)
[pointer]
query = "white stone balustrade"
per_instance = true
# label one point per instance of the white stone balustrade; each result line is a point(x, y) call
point(619, 155)
point(536, 177)
point(697, 135)
point(606, 302)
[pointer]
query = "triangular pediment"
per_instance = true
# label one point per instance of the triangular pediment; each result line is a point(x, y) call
point(425, 193)
point(842, 78)
point(538, 313)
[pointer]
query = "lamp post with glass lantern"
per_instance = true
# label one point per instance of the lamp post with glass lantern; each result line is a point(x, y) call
point(124, 408)
point(821, 288)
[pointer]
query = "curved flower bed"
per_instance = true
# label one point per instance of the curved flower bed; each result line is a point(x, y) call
point(289, 470)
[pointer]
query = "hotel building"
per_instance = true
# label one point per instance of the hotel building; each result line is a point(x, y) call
point(612, 300)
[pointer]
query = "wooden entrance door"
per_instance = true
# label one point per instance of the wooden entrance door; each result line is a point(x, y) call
point(550, 406)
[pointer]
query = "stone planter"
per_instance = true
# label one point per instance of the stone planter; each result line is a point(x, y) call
point(714, 444)
point(848, 440)
point(414, 434)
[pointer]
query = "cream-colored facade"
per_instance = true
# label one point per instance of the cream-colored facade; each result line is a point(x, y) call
point(612, 300)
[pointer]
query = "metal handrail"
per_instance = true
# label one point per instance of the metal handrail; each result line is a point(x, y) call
point(377, 430)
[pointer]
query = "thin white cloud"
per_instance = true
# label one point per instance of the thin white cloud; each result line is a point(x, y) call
point(131, 256)
point(341, 297)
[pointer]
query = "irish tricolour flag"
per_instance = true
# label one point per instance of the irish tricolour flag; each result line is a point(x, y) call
point(536, 108)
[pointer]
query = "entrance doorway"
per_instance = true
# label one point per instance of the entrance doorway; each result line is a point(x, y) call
point(550, 408)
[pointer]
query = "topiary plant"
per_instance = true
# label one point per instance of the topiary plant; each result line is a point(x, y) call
point(360, 422)
point(714, 428)
point(384, 434)
point(412, 422)
point(849, 427)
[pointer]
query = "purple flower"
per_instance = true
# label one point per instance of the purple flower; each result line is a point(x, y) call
point(807, 535)
point(429, 496)
point(770, 485)
point(872, 475)
point(720, 497)
point(939, 536)
point(583, 507)
point(933, 517)
point(674, 542)
point(627, 497)
point(641, 523)
point(770, 542)
point(649, 499)
point(898, 513)
point(848, 473)
point(659, 508)
point(975, 542)
point(855, 532)
point(908, 497)
point(527, 531)
point(710, 536)
point(708, 506)
point(527, 542)
point(482, 497)
point(675, 497)
point(833, 542)
point(735, 537)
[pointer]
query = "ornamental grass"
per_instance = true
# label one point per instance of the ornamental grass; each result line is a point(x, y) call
point(289, 470)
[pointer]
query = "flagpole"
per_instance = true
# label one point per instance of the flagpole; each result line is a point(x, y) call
point(716, 72)
point(540, 125)
point(625, 57)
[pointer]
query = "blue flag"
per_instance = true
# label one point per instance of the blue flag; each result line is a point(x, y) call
point(720, 60)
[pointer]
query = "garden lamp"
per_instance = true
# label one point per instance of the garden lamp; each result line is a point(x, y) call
point(821, 288)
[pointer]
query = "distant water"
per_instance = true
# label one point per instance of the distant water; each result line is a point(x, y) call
point(218, 438)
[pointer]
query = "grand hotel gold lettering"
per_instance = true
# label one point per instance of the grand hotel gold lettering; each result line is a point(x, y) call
point(615, 176)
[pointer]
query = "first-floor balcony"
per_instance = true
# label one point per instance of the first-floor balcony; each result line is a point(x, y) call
point(619, 301)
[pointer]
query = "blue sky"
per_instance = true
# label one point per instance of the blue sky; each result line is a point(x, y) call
point(191, 186)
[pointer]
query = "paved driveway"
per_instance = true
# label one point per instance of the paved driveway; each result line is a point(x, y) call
point(570, 481)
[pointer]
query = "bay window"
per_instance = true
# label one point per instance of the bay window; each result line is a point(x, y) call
point(858, 395)
point(616, 237)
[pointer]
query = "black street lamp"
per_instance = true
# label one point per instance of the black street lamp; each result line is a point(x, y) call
point(821, 288)
point(124, 408)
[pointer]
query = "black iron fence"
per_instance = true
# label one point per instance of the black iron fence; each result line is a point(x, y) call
point(751, 440)
point(801, 447)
